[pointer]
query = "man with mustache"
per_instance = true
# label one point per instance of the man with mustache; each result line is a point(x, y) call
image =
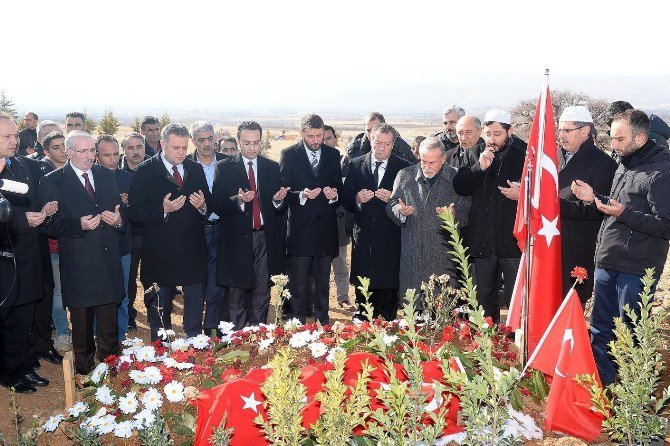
point(419, 193)
point(470, 144)
point(88, 226)
point(450, 117)
point(492, 183)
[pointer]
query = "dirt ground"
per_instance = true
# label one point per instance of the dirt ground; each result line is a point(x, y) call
point(34, 409)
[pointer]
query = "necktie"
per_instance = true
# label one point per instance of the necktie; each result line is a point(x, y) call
point(87, 185)
point(376, 172)
point(315, 163)
point(177, 177)
point(256, 210)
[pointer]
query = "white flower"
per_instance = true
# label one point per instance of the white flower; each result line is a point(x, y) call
point(200, 342)
point(265, 343)
point(146, 354)
point(485, 325)
point(179, 344)
point(144, 418)
point(251, 328)
point(268, 327)
point(319, 349)
point(53, 422)
point(137, 376)
point(333, 351)
point(128, 403)
point(286, 294)
point(389, 339)
point(125, 358)
point(165, 334)
point(174, 392)
point(292, 324)
point(104, 395)
point(403, 323)
point(105, 425)
point(152, 399)
point(128, 342)
point(299, 340)
point(123, 429)
point(77, 409)
point(152, 375)
point(99, 372)
point(226, 327)
point(497, 374)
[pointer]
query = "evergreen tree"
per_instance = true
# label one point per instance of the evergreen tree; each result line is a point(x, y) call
point(164, 120)
point(7, 106)
point(137, 124)
point(108, 123)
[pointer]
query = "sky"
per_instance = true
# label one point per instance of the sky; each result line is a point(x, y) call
point(258, 55)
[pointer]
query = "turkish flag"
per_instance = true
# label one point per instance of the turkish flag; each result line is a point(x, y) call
point(564, 352)
point(545, 287)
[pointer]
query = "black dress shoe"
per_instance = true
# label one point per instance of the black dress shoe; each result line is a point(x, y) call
point(51, 356)
point(36, 364)
point(20, 386)
point(34, 379)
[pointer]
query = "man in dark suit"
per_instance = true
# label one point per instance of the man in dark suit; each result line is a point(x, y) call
point(376, 249)
point(248, 197)
point(312, 171)
point(579, 160)
point(169, 197)
point(150, 128)
point(470, 145)
point(216, 309)
point(88, 226)
point(21, 280)
point(493, 184)
point(28, 136)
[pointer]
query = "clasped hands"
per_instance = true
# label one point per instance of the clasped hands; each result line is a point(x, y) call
point(329, 192)
point(37, 218)
point(585, 192)
point(197, 200)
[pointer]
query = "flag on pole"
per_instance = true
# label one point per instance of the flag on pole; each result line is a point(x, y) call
point(545, 288)
point(564, 352)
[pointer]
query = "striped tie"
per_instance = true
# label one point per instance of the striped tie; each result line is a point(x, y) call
point(315, 164)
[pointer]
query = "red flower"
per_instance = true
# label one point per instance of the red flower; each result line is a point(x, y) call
point(465, 334)
point(209, 361)
point(580, 274)
point(124, 367)
point(112, 361)
point(448, 334)
point(279, 332)
point(489, 321)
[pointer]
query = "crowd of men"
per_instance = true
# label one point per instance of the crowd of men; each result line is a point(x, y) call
point(220, 221)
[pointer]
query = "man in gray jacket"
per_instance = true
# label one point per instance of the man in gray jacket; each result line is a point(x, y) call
point(635, 231)
point(419, 194)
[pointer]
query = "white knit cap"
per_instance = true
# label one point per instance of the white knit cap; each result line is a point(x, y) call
point(497, 115)
point(576, 113)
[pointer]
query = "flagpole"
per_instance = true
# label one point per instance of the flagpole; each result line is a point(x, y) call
point(539, 153)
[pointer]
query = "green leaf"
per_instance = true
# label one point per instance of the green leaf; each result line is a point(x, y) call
point(231, 356)
point(182, 430)
point(516, 399)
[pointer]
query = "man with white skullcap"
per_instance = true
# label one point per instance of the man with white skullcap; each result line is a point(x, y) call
point(493, 184)
point(580, 160)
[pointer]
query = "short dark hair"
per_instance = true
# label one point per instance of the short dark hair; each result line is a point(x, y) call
point(51, 136)
point(149, 120)
point(382, 127)
point(636, 119)
point(34, 116)
point(311, 121)
point(374, 116)
point(329, 127)
point(174, 128)
point(105, 138)
point(248, 125)
point(79, 115)
point(503, 124)
point(615, 108)
point(226, 139)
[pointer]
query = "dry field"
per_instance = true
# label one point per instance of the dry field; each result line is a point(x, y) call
point(47, 401)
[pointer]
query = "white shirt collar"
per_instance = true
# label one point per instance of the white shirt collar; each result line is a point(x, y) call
point(168, 166)
point(310, 151)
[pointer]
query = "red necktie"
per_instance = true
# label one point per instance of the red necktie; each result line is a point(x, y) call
point(177, 177)
point(254, 203)
point(87, 185)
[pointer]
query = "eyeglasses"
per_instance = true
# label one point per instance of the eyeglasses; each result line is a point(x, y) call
point(569, 130)
point(85, 151)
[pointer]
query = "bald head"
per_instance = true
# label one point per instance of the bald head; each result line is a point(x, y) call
point(468, 129)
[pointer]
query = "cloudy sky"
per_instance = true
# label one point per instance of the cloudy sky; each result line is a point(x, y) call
point(271, 54)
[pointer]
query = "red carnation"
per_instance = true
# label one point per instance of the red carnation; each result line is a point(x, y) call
point(112, 361)
point(580, 274)
point(448, 334)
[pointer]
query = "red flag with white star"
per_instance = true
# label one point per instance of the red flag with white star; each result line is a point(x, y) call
point(563, 353)
point(545, 287)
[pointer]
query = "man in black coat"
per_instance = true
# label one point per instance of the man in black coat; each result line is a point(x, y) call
point(580, 160)
point(169, 197)
point(360, 145)
point(493, 184)
point(216, 297)
point(376, 248)
point(88, 226)
point(248, 197)
point(28, 136)
point(21, 280)
point(312, 171)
